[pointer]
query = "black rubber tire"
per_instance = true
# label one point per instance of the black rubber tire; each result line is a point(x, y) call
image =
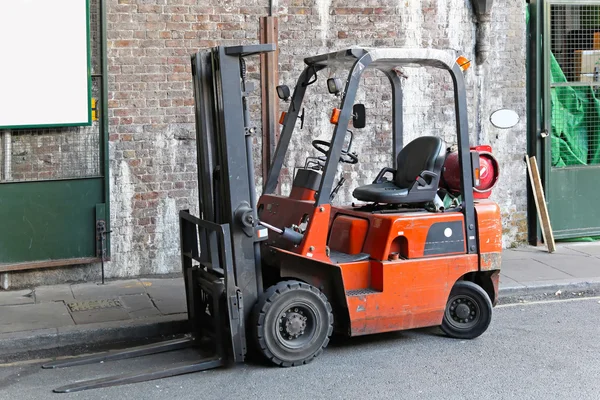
point(480, 303)
point(266, 322)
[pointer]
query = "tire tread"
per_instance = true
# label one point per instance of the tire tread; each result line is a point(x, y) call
point(265, 302)
point(479, 329)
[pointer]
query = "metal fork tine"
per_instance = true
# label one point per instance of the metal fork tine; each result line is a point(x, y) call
point(138, 351)
point(180, 369)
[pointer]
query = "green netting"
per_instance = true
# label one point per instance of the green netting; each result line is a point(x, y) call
point(575, 121)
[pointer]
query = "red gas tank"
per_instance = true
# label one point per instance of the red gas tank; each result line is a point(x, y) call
point(489, 171)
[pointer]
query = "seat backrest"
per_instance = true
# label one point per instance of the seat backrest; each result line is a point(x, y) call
point(424, 153)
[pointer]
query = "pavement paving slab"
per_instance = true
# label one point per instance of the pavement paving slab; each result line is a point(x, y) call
point(16, 297)
point(575, 267)
point(525, 253)
point(100, 315)
point(90, 291)
point(592, 249)
point(169, 306)
point(168, 295)
point(34, 316)
point(532, 270)
point(139, 306)
point(506, 281)
point(44, 294)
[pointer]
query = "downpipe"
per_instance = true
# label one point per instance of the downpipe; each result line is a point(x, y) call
point(272, 5)
point(6, 141)
point(7, 152)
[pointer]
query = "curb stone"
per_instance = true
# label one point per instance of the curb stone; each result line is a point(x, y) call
point(545, 290)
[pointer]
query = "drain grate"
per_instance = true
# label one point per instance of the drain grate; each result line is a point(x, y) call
point(94, 305)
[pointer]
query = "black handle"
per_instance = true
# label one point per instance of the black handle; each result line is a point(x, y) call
point(379, 178)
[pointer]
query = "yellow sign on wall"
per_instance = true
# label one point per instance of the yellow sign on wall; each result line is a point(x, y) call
point(94, 109)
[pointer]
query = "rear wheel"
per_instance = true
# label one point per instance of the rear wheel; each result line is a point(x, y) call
point(292, 323)
point(468, 311)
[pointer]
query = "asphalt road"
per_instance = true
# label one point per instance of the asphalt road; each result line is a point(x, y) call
point(534, 351)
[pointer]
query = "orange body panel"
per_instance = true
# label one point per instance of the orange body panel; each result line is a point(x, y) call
point(489, 225)
point(300, 193)
point(348, 234)
point(384, 229)
point(284, 212)
point(414, 294)
point(356, 275)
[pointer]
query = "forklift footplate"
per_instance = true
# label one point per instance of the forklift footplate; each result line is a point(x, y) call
point(361, 292)
point(338, 257)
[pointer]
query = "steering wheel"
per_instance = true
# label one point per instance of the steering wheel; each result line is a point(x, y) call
point(323, 147)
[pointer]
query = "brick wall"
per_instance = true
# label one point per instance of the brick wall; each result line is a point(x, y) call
point(152, 147)
point(151, 103)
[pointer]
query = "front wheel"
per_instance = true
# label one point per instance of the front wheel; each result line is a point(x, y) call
point(292, 323)
point(468, 311)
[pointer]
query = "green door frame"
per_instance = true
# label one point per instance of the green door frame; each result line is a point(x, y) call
point(535, 143)
point(560, 198)
point(65, 193)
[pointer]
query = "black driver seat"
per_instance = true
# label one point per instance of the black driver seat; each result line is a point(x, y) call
point(416, 179)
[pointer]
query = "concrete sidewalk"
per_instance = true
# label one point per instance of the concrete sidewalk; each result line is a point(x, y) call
point(51, 320)
point(526, 271)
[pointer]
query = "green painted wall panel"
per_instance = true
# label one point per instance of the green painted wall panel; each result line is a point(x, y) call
point(49, 220)
point(573, 195)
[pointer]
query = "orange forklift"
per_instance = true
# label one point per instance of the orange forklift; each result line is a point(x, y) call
point(397, 261)
point(281, 274)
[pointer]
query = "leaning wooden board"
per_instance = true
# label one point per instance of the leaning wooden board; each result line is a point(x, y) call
point(540, 203)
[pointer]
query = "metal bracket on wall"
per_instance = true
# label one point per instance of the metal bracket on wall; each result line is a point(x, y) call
point(101, 233)
point(101, 243)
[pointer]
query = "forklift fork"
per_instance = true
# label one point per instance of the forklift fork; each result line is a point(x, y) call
point(210, 288)
point(151, 374)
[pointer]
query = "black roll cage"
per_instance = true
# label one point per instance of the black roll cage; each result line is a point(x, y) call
point(387, 60)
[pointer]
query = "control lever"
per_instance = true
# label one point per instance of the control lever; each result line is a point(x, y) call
point(337, 188)
point(301, 117)
point(286, 233)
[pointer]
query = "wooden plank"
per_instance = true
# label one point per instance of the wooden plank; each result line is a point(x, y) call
point(269, 77)
point(540, 203)
point(47, 264)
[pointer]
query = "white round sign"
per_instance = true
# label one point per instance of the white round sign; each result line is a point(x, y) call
point(447, 232)
point(504, 118)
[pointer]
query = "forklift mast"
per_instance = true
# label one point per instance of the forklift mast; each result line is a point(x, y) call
point(220, 250)
point(227, 191)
